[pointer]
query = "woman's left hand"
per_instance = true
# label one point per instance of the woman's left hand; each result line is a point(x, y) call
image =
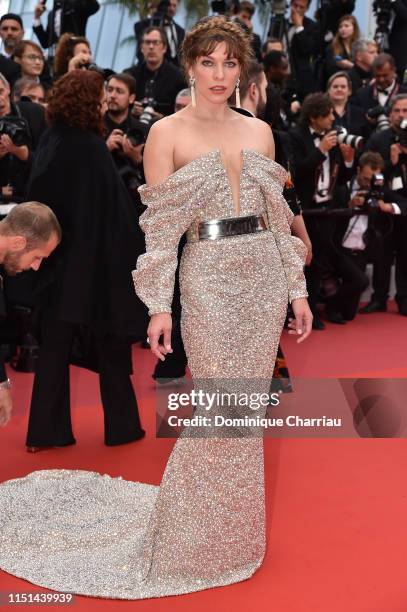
point(302, 324)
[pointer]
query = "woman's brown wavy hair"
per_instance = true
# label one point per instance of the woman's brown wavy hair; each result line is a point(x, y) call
point(75, 100)
point(65, 51)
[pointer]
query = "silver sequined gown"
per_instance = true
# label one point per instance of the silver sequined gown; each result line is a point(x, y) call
point(204, 526)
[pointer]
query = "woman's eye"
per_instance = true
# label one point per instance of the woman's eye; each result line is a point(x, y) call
point(231, 64)
point(206, 63)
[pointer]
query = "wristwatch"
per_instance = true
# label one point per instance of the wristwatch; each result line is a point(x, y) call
point(6, 384)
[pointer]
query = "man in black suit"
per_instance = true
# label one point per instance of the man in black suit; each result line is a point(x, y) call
point(162, 15)
point(301, 42)
point(383, 88)
point(392, 146)
point(364, 52)
point(359, 239)
point(28, 234)
point(244, 14)
point(11, 33)
point(65, 16)
point(398, 35)
point(320, 164)
point(156, 77)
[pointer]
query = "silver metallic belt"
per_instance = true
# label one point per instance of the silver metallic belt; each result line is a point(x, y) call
point(223, 228)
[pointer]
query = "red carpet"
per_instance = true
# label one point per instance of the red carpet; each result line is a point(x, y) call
point(337, 529)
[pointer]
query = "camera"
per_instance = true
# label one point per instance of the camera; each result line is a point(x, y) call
point(383, 13)
point(379, 112)
point(375, 193)
point(147, 116)
point(402, 133)
point(16, 128)
point(356, 142)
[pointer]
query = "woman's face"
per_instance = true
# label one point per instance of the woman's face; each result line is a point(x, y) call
point(31, 62)
point(346, 29)
point(84, 50)
point(339, 90)
point(215, 75)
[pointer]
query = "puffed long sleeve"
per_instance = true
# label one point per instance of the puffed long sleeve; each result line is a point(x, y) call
point(293, 251)
point(171, 207)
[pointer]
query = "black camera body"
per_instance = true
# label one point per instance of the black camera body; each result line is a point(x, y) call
point(380, 113)
point(15, 128)
point(375, 193)
point(402, 133)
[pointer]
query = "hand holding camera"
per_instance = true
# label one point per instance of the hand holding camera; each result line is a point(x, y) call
point(329, 141)
point(115, 140)
point(358, 200)
point(81, 60)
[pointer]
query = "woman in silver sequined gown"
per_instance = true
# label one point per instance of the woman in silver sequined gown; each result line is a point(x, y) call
point(204, 526)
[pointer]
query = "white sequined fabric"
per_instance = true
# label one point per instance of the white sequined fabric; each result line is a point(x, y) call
point(204, 526)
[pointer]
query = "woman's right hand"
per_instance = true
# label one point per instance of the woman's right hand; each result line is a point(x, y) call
point(160, 325)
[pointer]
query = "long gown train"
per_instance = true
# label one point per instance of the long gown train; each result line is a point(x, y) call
point(204, 526)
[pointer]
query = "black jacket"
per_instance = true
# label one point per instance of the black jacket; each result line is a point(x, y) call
point(308, 161)
point(303, 51)
point(398, 35)
point(366, 97)
point(9, 69)
point(359, 77)
point(75, 14)
point(89, 274)
point(142, 25)
point(165, 82)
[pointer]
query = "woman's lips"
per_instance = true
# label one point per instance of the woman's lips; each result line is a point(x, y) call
point(218, 89)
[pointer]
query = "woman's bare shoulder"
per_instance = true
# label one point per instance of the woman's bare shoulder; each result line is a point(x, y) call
point(261, 135)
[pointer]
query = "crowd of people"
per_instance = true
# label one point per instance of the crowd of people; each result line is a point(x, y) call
point(335, 99)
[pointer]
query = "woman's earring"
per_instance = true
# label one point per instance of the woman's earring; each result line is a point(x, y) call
point(192, 86)
point(237, 93)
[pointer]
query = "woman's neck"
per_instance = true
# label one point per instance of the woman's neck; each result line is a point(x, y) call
point(340, 107)
point(206, 111)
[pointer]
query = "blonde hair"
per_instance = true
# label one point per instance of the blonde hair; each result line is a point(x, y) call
point(208, 32)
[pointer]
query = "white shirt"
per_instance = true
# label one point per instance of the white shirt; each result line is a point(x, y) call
point(324, 176)
point(357, 226)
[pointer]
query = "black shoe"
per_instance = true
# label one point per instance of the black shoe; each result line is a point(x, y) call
point(373, 306)
point(334, 316)
point(317, 324)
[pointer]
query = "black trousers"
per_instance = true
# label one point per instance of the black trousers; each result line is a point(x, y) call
point(320, 230)
point(350, 266)
point(50, 416)
point(394, 248)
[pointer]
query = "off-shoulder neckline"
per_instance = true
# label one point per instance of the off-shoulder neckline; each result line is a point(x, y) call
point(217, 153)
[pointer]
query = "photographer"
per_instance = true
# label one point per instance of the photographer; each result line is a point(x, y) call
point(65, 16)
point(157, 80)
point(359, 239)
point(11, 33)
point(125, 134)
point(162, 15)
point(375, 98)
point(28, 234)
point(392, 145)
point(398, 35)
point(364, 52)
point(321, 163)
point(300, 36)
point(21, 126)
